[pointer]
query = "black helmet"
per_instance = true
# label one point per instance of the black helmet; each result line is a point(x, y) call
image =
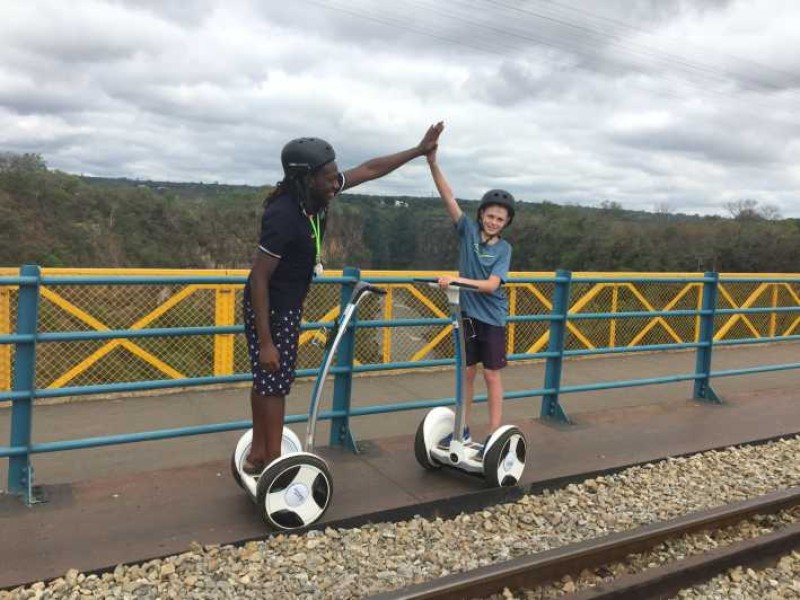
point(305, 155)
point(500, 198)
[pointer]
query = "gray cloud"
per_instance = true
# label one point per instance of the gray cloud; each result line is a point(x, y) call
point(684, 103)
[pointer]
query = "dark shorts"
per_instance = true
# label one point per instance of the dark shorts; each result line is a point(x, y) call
point(485, 344)
point(285, 328)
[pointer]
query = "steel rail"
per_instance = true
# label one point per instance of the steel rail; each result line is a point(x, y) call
point(667, 580)
point(551, 565)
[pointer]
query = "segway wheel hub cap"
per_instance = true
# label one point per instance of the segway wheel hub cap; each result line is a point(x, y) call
point(296, 494)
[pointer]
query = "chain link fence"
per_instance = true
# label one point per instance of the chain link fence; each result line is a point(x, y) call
point(97, 307)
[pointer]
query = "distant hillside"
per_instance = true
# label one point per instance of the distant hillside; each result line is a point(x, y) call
point(56, 219)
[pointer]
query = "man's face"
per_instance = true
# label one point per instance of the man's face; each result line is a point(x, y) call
point(324, 184)
point(494, 219)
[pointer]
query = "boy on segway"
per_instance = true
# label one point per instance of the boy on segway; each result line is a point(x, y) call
point(484, 260)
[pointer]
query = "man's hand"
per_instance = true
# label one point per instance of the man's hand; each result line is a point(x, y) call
point(430, 140)
point(383, 165)
point(268, 357)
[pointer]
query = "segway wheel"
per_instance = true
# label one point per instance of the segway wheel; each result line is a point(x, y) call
point(435, 426)
point(504, 461)
point(294, 491)
point(237, 477)
point(240, 452)
point(421, 452)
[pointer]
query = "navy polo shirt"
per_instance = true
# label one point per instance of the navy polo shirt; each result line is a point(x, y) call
point(286, 234)
point(478, 260)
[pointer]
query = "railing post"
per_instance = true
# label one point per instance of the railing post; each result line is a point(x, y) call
point(512, 310)
point(388, 310)
point(5, 328)
point(612, 330)
point(224, 314)
point(773, 317)
point(20, 471)
point(343, 382)
point(551, 409)
point(702, 384)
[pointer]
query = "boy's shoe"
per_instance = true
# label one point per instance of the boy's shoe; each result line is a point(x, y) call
point(482, 451)
point(445, 441)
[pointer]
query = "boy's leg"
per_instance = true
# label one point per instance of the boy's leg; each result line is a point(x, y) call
point(493, 356)
point(494, 390)
point(472, 356)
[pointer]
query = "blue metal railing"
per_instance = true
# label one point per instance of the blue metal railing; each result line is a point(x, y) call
point(27, 337)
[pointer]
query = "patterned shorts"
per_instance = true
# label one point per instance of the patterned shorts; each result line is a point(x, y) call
point(285, 328)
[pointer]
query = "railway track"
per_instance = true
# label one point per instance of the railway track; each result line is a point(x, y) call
point(383, 551)
point(660, 582)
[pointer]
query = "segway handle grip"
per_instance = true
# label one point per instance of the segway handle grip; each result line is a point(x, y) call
point(362, 287)
point(434, 283)
point(466, 286)
point(376, 290)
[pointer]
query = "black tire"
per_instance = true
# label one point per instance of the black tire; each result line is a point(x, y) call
point(302, 478)
point(494, 461)
point(421, 450)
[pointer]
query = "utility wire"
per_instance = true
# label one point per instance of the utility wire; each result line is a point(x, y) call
point(634, 49)
point(502, 50)
point(400, 24)
point(792, 79)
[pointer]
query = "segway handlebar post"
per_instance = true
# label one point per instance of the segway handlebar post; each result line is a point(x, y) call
point(453, 291)
point(361, 290)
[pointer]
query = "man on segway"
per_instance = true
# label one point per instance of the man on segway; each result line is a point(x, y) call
point(289, 254)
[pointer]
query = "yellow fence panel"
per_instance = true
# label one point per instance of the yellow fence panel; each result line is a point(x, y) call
point(103, 307)
point(5, 328)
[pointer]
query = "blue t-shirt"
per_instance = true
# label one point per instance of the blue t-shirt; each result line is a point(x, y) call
point(478, 260)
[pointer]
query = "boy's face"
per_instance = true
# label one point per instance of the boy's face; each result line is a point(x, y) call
point(324, 184)
point(494, 219)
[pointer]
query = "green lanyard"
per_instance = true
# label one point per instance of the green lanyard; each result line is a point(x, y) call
point(315, 227)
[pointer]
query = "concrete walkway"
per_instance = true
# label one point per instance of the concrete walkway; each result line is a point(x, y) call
point(106, 417)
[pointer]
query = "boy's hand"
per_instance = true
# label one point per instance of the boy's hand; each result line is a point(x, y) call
point(445, 280)
point(430, 140)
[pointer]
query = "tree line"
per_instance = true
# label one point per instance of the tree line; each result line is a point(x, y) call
point(55, 219)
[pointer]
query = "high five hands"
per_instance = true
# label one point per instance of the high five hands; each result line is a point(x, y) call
point(430, 141)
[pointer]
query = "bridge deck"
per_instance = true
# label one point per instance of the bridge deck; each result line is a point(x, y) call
point(129, 503)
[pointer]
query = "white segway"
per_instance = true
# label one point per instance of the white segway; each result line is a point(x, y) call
point(295, 489)
point(501, 460)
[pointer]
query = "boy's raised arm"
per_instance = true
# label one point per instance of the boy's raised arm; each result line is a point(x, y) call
point(450, 203)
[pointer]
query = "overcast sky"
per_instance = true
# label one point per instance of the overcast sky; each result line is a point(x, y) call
point(654, 104)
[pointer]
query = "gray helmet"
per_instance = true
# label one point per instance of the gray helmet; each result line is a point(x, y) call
point(499, 198)
point(305, 155)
